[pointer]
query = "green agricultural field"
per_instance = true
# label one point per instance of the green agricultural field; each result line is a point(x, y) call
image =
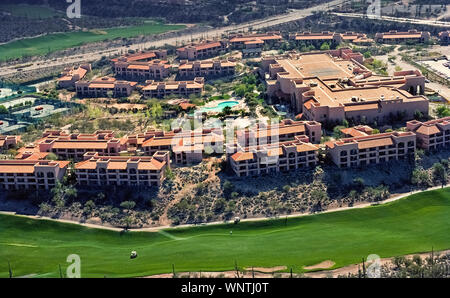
point(30, 11)
point(60, 41)
point(411, 225)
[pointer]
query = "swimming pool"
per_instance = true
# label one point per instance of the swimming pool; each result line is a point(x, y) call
point(219, 107)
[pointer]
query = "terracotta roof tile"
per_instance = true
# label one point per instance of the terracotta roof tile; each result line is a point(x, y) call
point(375, 143)
point(428, 130)
point(241, 156)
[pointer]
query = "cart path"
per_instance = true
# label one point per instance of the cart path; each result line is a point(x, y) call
point(167, 226)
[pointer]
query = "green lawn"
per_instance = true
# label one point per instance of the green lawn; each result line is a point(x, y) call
point(30, 11)
point(411, 225)
point(60, 41)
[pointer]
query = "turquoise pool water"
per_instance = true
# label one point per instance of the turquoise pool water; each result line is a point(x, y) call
point(219, 107)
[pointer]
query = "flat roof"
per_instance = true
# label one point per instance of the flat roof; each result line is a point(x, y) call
point(121, 163)
point(80, 144)
point(317, 65)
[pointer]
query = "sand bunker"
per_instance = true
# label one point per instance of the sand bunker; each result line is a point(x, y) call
point(322, 265)
point(267, 270)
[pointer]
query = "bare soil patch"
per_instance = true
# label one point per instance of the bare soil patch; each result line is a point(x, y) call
point(129, 106)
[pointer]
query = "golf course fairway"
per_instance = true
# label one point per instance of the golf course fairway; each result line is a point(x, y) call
point(49, 43)
point(414, 224)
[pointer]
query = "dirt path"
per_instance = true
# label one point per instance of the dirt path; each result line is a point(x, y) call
point(167, 226)
point(164, 219)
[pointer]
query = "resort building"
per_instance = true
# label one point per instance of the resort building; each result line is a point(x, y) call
point(334, 85)
point(187, 146)
point(104, 87)
point(372, 149)
point(252, 48)
point(331, 37)
point(444, 36)
point(142, 56)
point(31, 174)
point(431, 135)
point(239, 40)
point(202, 50)
point(74, 146)
point(309, 131)
point(71, 75)
point(179, 88)
point(137, 140)
point(98, 170)
point(395, 36)
point(32, 153)
point(357, 131)
point(8, 142)
point(207, 69)
point(141, 71)
point(272, 158)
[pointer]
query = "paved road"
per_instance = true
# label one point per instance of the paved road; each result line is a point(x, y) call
point(254, 25)
point(399, 20)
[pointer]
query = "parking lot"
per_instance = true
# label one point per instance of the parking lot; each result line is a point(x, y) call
point(438, 67)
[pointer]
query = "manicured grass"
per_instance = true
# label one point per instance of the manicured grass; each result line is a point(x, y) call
point(30, 11)
point(411, 225)
point(60, 41)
